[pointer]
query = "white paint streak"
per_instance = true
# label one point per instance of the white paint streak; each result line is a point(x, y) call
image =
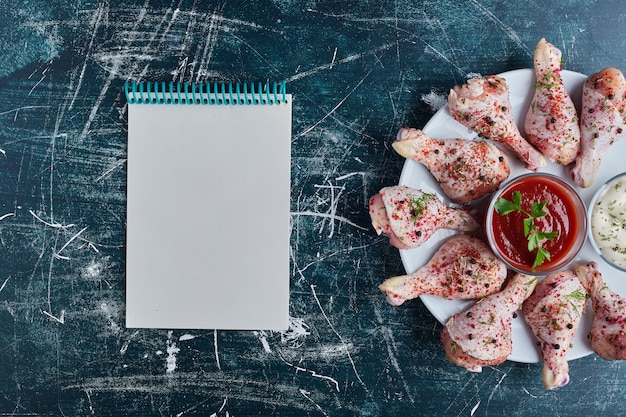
point(475, 408)
point(411, 21)
point(296, 333)
point(435, 100)
point(215, 349)
point(334, 202)
point(111, 313)
point(528, 392)
point(17, 109)
point(57, 254)
point(108, 171)
point(508, 31)
point(333, 351)
point(4, 284)
point(351, 174)
point(91, 409)
point(436, 52)
point(4, 216)
point(221, 409)
point(334, 109)
point(60, 319)
point(43, 77)
point(96, 24)
point(172, 350)
point(113, 73)
point(392, 351)
point(99, 100)
point(313, 373)
point(326, 215)
point(356, 373)
point(307, 395)
point(186, 336)
point(125, 345)
point(262, 335)
point(460, 392)
point(332, 61)
point(350, 58)
point(209, 46)
point(51, 224)
point(92, 270)
point(194, 407)
point(495, 388)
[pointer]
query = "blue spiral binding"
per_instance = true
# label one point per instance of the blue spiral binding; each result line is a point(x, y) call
point(206, 93)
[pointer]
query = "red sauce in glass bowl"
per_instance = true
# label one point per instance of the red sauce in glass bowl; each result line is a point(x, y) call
point(565, 216)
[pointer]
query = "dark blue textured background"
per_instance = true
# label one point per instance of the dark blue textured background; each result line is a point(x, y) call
point(358, 70)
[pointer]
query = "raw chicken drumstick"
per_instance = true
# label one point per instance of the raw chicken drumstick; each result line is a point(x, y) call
point(601, 122)
point(608, 328)
point(465, 169)
point(481, 335)
point(409, 216)
point(463, 268)
point(483, 105)
point(551, 123)
point(553, 313)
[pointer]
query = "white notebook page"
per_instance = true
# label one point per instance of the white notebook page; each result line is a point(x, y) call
point(208, 216)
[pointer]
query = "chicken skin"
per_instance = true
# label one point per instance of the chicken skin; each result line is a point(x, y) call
point(465, 169)
point(608, 328)
point(409, 216)
point(464, 267)
point(481, 335)
point(601, 122)
point(483, 105)
point(553, 313)
point(551, 123)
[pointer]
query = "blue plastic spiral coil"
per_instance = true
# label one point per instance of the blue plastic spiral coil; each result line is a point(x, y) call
point(205, 93)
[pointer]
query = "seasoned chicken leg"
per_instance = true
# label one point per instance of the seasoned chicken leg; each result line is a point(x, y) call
point(551, 123)
point(481, 335)
point(465, 169)
point(553, 313)
point(463, 268)
point(608, 329)
point(483, 105)
point(601, 122)
point(409, 216)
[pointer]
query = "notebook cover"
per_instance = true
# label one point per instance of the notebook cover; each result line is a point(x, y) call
point(208, 216)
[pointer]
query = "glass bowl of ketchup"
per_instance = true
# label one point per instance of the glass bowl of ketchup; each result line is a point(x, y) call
point(536, 223)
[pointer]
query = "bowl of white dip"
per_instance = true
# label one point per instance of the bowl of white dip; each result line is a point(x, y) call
point(607, 221)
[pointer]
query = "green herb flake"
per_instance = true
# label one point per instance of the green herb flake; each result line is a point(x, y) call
point(418, 204)
point(535, 237)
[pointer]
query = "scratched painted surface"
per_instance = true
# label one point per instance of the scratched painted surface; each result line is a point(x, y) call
point(358, 70)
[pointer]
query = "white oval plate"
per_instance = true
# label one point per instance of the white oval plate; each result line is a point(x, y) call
point(442, 125)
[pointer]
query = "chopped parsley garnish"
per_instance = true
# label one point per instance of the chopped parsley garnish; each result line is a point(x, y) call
point(535, 237)
point(418, 204)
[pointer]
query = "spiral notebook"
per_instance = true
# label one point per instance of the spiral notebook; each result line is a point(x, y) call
point(208, 206)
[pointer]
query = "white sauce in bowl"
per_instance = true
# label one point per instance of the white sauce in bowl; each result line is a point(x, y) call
point(608, 221)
